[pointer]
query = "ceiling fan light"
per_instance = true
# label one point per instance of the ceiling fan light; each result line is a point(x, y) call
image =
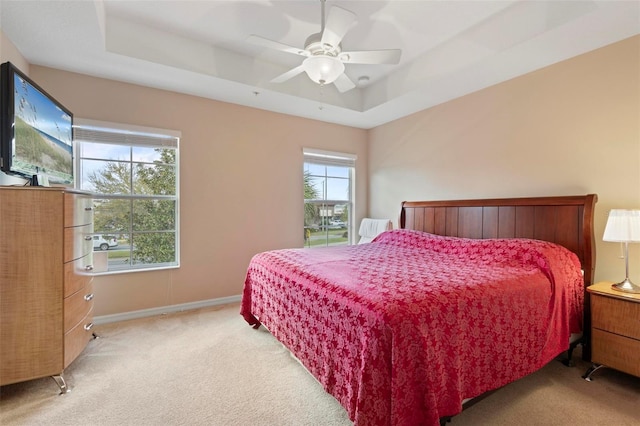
point(323, 69)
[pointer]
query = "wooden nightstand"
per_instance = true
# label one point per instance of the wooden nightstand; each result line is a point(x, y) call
point(615, 330)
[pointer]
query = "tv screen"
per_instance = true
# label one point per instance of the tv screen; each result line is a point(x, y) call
point(36, 130)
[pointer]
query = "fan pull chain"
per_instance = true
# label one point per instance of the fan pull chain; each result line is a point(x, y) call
point(321, 106)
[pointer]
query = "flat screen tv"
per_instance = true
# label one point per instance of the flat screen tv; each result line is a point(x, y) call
point(35, 130)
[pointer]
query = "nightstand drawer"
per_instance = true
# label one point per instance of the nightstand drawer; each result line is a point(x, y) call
point(615, 315)
point(621, 353)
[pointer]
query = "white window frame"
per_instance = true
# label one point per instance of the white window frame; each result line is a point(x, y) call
point(337, 159)
point(88, 131)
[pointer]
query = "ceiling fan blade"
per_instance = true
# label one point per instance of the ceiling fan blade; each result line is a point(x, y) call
point(386, 56)
point(288, 75)
point(344, 83)
point(271, 44)
point(338, 23)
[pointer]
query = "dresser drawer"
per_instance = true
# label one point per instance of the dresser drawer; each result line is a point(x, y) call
point(76, 274)
point(615, 315)
point(615, 351)
point(77, 306)
point(77, 338)
point(78, 210)
point(78, 242)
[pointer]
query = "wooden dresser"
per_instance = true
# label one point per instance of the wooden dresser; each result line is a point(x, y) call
point(46, 302)
point(615, 330)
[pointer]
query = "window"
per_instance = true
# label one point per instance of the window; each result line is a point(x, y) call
point(135, 175)
point(328, 198)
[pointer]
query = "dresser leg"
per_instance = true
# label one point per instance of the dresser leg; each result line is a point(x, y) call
point(590, 371)
point(61, 384)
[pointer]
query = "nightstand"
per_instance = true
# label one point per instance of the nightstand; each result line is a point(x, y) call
point(615, 330)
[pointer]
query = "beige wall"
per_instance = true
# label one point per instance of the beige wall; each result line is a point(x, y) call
point(8, 52)
point(240, 183)
point(571, 128)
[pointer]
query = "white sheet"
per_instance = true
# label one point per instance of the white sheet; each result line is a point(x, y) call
point(371, 228)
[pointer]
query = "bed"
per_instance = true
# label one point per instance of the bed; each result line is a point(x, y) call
point(465, 297)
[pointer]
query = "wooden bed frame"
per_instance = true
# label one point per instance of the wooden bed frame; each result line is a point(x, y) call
point(564, 220)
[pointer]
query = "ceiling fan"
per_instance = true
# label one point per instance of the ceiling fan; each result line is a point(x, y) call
point(325, 60)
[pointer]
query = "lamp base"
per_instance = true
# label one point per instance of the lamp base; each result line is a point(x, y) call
point(626, 286)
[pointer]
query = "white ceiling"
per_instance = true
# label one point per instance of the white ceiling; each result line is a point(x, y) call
point(449, 47)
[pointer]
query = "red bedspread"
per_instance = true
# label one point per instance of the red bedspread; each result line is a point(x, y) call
point(401, 330)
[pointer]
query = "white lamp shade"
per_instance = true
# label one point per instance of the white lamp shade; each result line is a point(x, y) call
point(323, 69)
point(623, 226)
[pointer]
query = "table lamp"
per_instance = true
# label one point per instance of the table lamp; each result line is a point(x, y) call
point(623, 226)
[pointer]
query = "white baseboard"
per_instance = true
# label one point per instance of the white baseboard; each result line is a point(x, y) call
point(105, 319)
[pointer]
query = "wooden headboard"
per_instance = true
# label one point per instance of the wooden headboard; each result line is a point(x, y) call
point(567, 221)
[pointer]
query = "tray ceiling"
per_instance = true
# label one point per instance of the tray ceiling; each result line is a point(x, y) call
point(449, 48)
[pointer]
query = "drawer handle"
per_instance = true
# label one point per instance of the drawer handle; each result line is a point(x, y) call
point(88, 209)
point(88, 268)
point(88, 238)
point(88, 326)
point(88, 297)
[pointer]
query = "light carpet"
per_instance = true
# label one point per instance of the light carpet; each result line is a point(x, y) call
point(208, 367)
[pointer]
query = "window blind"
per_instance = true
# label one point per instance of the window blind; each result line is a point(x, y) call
point(119, 134)
point(328, 158)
